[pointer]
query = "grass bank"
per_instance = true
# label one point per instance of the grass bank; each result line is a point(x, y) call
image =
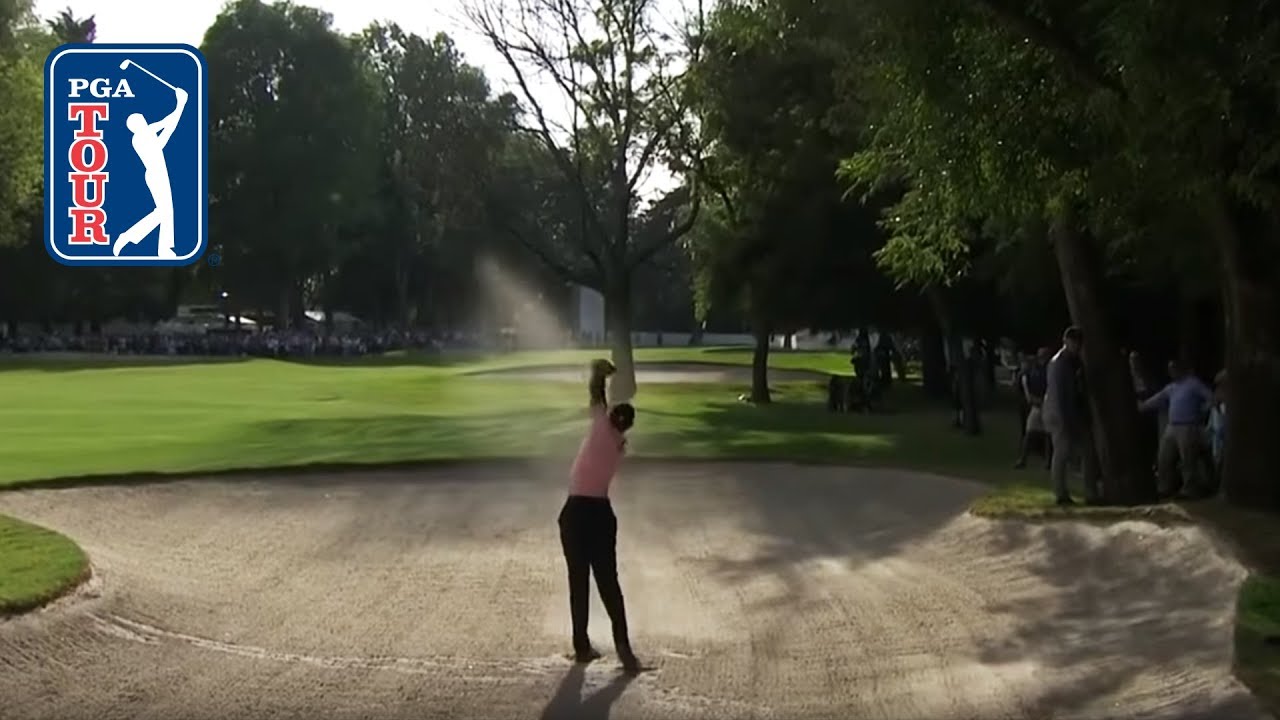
point(1258, 638)
point(36, 566)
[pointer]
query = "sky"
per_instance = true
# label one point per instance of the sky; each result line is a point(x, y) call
point(185, 21)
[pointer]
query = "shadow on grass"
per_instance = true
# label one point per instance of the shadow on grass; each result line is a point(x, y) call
point(798, 427)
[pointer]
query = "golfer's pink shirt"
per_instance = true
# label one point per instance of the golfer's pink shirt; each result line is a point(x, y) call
point(598, 457)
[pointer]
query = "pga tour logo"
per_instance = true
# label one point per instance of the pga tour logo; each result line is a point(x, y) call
point(126, 155)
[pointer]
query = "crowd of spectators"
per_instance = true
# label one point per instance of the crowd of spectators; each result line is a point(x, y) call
point(268, 343)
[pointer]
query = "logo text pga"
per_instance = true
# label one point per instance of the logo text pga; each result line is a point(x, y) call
point(126, 155)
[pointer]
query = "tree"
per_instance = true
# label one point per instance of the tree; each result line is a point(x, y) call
point(32, 287)
point(779, 239)
point(70, 29)
point(991, 147)
point(611, 62)
point(1190, 92)
point(293, 152)
point(440, 128)
point(23, 46)
point(1100, 127)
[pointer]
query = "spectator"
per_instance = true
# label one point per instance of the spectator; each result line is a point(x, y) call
point(1066, 417)
point(1217, 426)
point(1187, 401)
point(1024, 408)
point(1144, 386)
point(1032, 386)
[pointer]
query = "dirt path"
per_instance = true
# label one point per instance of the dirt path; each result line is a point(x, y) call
point(758, 592)
point(658, 373)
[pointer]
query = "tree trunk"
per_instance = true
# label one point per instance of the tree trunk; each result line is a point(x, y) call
point(991, 358)
point(933, 362)
point(283, 309)
point(1251, 463)
point(969, 395)
point(401, 278)
point(298, 302)
point(617, 308)
point(1126, 475)
point(961, 367)
point(760, 366)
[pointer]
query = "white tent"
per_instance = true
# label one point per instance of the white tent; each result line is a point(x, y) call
point(341, 320)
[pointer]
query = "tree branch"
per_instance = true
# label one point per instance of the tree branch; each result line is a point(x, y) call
point(553, 263)
point(1064, 49)
point(482, 16)
point(682, 228)
point(605, 95)
point(706, 177)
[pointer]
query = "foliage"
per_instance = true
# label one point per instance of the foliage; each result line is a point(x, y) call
point(23, 46)
point(439, 134)
point(970, 121)
point(293, 148)
point(780, 239)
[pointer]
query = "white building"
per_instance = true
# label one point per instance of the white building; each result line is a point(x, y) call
point(588, 314)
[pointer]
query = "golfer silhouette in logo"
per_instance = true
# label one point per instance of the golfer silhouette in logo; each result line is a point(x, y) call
point(149, 141)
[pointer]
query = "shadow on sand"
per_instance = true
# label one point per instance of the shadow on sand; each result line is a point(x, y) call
point(569, 703)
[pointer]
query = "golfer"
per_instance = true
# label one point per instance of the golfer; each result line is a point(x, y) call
point(588, 527)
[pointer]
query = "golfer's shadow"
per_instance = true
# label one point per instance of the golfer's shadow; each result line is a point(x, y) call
point(569, 704)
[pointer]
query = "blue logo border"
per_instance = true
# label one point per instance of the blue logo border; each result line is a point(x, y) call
point(49, 244)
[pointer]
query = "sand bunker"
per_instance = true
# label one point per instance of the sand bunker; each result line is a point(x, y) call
point(657, 373)
point(758, 591)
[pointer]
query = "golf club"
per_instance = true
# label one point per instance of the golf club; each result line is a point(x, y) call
point(124, 65)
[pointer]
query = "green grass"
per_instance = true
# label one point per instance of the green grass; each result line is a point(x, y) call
point(70, 420)
point(1258, 639)
point(1021, 500)
point(834, 361)
point(36, 566)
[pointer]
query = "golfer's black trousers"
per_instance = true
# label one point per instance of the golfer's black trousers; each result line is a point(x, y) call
point(589, 537)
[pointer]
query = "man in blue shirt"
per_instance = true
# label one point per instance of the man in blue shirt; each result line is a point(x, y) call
point(1185, 400)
